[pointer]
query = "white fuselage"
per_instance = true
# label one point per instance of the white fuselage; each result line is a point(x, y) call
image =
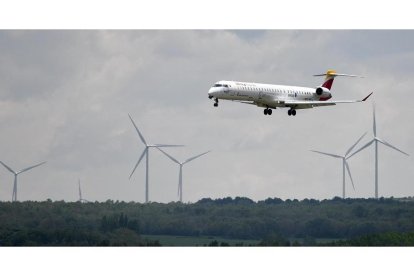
point(266, 95)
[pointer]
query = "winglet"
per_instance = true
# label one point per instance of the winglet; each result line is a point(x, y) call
point(367, 97)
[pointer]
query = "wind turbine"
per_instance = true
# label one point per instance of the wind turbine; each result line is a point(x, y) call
point(146, 153)
point(344, 163)
point(180, 175)
point(376, 139)
point(14, 196)
point(80, 194)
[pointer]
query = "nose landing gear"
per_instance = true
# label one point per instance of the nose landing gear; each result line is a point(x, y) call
point(215, 102)
point(292, 112)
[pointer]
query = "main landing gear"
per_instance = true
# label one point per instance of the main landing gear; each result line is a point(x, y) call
point(215, 102)
point(267, 111)
point(292, 112)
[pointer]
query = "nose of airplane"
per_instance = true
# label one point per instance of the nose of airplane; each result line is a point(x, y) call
point(215, 92)
point(210, 93)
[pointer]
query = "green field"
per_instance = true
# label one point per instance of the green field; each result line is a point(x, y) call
point(197, 241)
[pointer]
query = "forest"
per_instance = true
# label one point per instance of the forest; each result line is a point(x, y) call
point(272, 222)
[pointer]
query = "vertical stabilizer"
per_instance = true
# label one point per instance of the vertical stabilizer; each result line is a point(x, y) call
point(330, 75)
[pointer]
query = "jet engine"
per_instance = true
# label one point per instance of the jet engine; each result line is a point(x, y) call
point(321, 90)
point(323, 93)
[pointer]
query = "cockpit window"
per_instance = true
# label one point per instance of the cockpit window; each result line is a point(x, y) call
point(220, 85)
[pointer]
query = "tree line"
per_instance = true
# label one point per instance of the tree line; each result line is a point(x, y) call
point(272, 221)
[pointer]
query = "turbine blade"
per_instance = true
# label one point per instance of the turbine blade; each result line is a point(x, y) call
point(31, 167)
point(349, 173)
point(329, 154)
point(391, 146)
point(374, 125)
point(353, 146)
point(194, 157)
point(7, 167)
point(366, 145)
point(139, 133)
point(164, 145)
point(139, 160)
point(169, 156)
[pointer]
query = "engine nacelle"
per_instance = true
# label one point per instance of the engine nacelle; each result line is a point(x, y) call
point(321, 90)
point(323, 93)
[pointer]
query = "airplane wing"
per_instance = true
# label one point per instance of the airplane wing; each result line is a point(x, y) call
point(309, 104)
point(245, 102)
point(305, 104)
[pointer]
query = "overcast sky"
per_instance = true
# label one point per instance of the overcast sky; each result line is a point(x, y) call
point(65, 98)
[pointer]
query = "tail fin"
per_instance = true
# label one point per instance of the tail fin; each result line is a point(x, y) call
point(330, 75)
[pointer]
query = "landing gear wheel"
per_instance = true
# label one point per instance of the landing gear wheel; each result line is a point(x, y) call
point(265, 112)
point(289, 112)
point(293, 112)
point(215, 102)
point(269, 111)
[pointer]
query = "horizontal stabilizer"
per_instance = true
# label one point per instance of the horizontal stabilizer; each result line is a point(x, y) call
point(333, 74)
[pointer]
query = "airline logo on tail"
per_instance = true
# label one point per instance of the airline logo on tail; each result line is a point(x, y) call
point(330, 75)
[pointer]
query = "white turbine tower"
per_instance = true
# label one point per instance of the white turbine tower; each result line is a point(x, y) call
point(14, 196)
point(376, 139)
point(344, 163)
point(180, 175)
point(146, 153)
point(81, 199)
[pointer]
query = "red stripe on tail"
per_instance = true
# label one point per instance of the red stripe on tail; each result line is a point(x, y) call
point(328, 83)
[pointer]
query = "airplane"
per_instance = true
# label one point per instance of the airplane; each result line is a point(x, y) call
point(271, 96)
